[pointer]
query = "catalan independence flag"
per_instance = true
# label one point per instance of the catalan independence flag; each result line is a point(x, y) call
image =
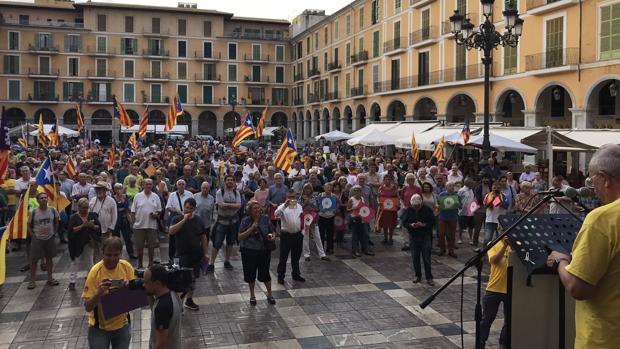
point(121, 114)
point(18, 226)
point(287, 153)
point(79, 117)
point(261, 124)
point(144, 123)
point(53, 135)
point(70, 167)
point(41, 133)
point(466, 132)
point(4, 235)
point(178, 108)
point(244, 131)
point(415, 150)
point(171, 119)
point(133, 141)
point(23, 141)
point(112, 157)
point(45, 179)
point(438, 154)
point(5, 146)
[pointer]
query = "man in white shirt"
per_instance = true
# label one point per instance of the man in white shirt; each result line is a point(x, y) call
point(455, 174)
point(145, 211)
point(528, 174)
point(79, 190)
point(21, 184)
point(174, 207)
point(105, 208)
point(249, 169)
point(297, 176)
point(291, 237)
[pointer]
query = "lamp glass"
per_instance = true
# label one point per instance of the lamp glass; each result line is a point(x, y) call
point(518, 26)
point(510, 15)
point(487, 7)
point(456, 21)
point(467, 28)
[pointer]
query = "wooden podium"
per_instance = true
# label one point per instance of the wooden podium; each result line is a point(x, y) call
point(536, 309)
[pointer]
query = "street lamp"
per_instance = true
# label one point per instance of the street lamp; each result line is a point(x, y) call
point(486, 38)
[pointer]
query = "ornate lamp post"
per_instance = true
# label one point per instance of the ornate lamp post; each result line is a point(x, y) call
point(233, 103)
point(486, 38)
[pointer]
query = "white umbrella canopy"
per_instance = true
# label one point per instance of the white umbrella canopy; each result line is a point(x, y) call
point(502, 144)
point(373, 139)
point(333, 136)
point(63, 131)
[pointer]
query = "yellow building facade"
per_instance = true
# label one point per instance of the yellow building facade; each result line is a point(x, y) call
point(373, 60)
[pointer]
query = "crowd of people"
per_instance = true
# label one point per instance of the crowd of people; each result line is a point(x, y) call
point(202, 196)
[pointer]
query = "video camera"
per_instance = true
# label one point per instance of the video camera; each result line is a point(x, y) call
point(179, 279)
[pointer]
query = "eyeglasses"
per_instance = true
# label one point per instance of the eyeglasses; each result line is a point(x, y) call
point(589, 182)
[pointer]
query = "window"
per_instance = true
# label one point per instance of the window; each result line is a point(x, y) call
point(207, 49)
point(156, 69)
point(182, 48)
point(155, 47)
point(336, 55)
point(11, 64)
point(71, 91)
point(554, 53)
point(299, 50)
point(336, 31)
point(102, 44)
point(256, 73)
point(73, 66)
point(395, 74)
point(347, 27)
point(279, 96)
point(13, 40)
point(316, 40)
point(101, 66)
point(461, 62)
point(325, 37)
point(182, 70)
point(232, 93)
point(101, 23)
point(155, 25)
point(397, 6)
point(14, 90)
point(279, 74)
point(423, 68)
point(610, 31)
point(347, 84)
point(361, 18)
point(44, 90)
point(182, 27)
point(325, 67)
point(396, 34)
point(128, 24)
point(73, 43)
point(44, 41)
point(156, 93)
point(510, 60)
point(206, 28)
point(308, 45)
point(347, 53)
point(461, 6)
point(232, 72)
point(208, 71)
point(360, 80)
point(232, 50)
point(426, 32)
point(129, 68)
point(336, 85)
point(182, 93)
point(44, 65)
point(207, 94)
point(128, 92)
point(129, 46)
point(102, 92)
point(374, 16)
point(279, 53)
point(360, 44)
point(375, 44)
point(375, 76)
point(256, 52)
point(24, 19)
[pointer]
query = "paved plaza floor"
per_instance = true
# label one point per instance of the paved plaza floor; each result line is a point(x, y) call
point(368, 302)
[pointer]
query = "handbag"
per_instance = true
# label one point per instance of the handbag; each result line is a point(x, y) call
point(270, 245)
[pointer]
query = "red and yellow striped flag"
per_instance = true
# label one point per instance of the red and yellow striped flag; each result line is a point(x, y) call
point(41, 134)
point(415, 150)
point(121, 114)
point(438, 154)
point(112, 157)
point(133, 141)
point(70, 167)
point(78, 117)
point(171, 119)
point(261, 124)
point(18, 226)
point(144, 123)
point(287, 153)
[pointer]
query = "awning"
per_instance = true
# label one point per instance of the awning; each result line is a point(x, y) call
point(62, 131)
point(268, 131)
point(406, 129)
point(372, 139)
point(426, 140)
point(334, 136)
point(594, 138)
point(381, 126)
point(158, 129)
point(559, 141)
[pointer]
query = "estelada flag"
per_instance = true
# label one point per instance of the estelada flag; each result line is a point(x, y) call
point(144, 123)
point(438, 154)
point(79, 117)
point(70, 167)
point(112, 157)
point(415, 150)
point(121, 114)
point(171, 119)
point(41, 133)
point(133, 142)
point(466, 132)
point(244, 131)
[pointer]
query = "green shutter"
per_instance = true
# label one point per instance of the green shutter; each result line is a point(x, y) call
point(280, 74)
point(67, 42)
point(7, 69)
point(182, 91)
point(65, 91)
point(122, 46)
point(207, 94)
point(375, 44)
point(135, 46)
point(95, 91)
point(280, 53)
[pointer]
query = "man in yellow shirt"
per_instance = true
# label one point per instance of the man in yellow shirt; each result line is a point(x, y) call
point(592, 274)
point(496, 292)
point(114, 332)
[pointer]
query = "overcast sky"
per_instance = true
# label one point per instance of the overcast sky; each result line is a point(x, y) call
point(279, 9)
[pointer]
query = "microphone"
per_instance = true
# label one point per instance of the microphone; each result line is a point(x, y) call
point(569, 192)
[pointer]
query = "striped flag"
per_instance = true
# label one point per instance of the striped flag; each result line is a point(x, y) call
point(244, 131)
point(133, 142)
point(70, 167)
point(4, 236)
point(466, 132)
point(144, 123)
point(5, 146)
point(53, 135)
point(438, 154)
point(171, 119)
point(112, 157)
point(79, 117)
point(261, 124)
point(18, 226)
point(121, 114)
point(287, 153)
point(415, 150)
point(178, 108)
point(41, 134)
point(23, 141)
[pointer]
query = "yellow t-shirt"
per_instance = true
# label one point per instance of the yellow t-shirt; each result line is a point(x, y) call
point(596, 260)
point(97, 273)
point(11, 199)
point(498, 279)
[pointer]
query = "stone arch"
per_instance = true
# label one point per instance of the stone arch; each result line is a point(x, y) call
point(232, 119)
point(134, 116)
point(325, 120)
point(69, 117)
point(603, 103)
point(550, 84)
point(207, 123)
point(509, 106)
point(336, 121)
point(460, 108)
point(360, 114)
point(102, 117)
point(279, 119)
point(316, 130)
point(49, 117)
point(375, 112)
point(425, 108)
point(157, 117)
point(396, 110)
point(15, 117)
point(308, 124)
point(185, 119)
point(552, 107)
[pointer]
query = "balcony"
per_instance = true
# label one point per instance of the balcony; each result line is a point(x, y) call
point(333, 67)
point(360, 91)
point(256, 59)
point(313, 99)
point(43, 98)
point(156, 34)
point(161, 77)
point(359, 58)
point(43, 74)
point(282, 36)
point(332, 96)
point(394, 84)
point(98, 99)
point(298, 101)
point(424, 36)
point(155, 101)
point(98, 51)
point(256, 101)
point(207, 77)
point(468, 72)
point(40, 48)
point(419, 3)
point(298, 77)
point(42, 24)
point(314, 73)
point(395, 46)
point(256, 80)
point(446, 26)
point(538, 7)
point(100, 75)
point(213, 56)
point(155, 53)
point(558, 60)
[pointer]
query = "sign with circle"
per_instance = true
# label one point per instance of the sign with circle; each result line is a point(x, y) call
point(338, 221)
point(389, 204)
point(308, 219)
point(366, 213)
point(328, 203)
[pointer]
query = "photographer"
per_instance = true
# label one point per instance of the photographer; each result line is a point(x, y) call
point(166, 317)
point(257, 239)
point(192, 243)
point(111, 272)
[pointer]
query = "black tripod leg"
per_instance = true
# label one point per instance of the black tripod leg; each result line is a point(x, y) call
point(478, 313)
point(562, 315)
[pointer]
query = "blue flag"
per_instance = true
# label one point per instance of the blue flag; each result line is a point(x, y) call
point(45, 175)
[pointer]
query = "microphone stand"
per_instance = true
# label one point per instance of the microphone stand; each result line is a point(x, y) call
point(476, 261)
